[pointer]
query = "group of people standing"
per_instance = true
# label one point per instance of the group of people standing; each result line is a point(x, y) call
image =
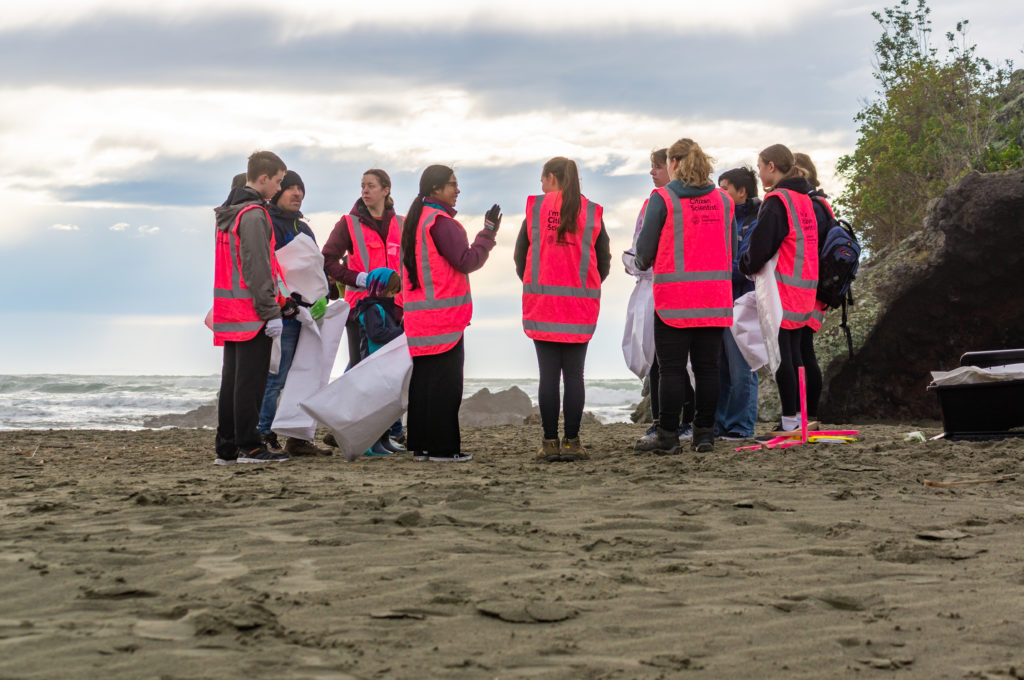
point(697, 241)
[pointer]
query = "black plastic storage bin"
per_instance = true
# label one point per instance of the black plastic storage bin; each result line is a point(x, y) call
point(983, 410)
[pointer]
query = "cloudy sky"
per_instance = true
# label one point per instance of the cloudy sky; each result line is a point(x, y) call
point(121, 126)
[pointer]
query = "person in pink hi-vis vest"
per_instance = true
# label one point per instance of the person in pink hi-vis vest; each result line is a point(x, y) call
point(562, 255)
point(686, 239)
point(437, 259)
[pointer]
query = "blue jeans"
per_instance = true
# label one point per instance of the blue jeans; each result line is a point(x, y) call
point(737, 401)
point(289, 341)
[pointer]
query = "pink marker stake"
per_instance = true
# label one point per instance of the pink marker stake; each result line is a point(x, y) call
point(803, 405)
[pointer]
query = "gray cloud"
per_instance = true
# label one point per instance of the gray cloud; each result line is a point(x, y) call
point(789, 78)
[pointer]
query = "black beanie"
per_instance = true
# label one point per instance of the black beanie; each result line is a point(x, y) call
point(291, 178)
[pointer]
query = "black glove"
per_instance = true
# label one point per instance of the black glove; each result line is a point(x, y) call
point(290, 308)
point(492, 219)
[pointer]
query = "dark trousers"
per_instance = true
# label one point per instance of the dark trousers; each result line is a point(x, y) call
point(786, 376)
point(674, 346)
point(560, 361)
point(243, 378)
point(354, 334)
point(812, 372)
point(656, 397)
point(435, 395)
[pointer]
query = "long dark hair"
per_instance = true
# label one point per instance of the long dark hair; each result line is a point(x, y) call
point(432, 179)
point(568, 177)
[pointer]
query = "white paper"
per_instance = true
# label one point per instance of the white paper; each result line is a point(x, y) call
point(365, 400)
point(310, 370)
point(971, 375)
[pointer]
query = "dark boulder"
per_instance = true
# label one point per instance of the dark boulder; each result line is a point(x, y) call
point(952, 287)
point(508, 407)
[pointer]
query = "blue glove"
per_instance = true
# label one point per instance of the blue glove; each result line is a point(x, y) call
point(379, 276)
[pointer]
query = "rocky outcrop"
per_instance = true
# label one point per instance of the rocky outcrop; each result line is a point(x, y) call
point(952, 287)
point(508, 407)
point(204, 416)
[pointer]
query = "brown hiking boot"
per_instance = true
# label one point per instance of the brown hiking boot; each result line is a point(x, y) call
point(572, 450)
point(549, 451)
point(300, 447)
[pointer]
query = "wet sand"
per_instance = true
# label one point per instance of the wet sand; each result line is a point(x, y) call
point(129, 555)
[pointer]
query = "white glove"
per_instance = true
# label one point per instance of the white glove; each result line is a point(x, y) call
point(629, 262)
point(274, 328)
point(361, 279)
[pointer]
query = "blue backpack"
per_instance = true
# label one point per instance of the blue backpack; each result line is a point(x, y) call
point(838, 261)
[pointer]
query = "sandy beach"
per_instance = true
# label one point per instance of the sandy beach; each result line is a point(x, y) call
point(129, 555)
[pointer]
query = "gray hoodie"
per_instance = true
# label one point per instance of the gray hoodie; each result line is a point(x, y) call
point(254, 231)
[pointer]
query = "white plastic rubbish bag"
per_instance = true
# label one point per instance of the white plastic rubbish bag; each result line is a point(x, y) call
point(303, 266)
point(310, 370)
point(638, 337)
point(746, 331)
point(769, 311)
point(361, 404)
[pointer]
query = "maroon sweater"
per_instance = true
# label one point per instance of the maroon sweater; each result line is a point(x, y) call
point(453, 244)
point(339, 243)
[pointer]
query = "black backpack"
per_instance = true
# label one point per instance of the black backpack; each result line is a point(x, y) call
point(838, 261)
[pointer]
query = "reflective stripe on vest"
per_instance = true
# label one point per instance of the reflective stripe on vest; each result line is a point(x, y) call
point(693, 287)
point(817, 317)
point(797, 270)
point(565, 307)
point(361, 261)
point(438, 311)
point(234, 311)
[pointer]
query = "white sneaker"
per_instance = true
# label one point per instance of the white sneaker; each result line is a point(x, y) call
point(685, 432)
point(457, 458)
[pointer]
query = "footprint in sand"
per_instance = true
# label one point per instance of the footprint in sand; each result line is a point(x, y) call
point(220, 568)
point(301, 578)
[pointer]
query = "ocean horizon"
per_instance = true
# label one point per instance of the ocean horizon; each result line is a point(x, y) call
point(124, 402)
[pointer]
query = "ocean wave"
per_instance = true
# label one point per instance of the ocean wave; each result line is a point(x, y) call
point(124, 402)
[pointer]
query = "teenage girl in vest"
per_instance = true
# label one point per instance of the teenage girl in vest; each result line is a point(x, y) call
point(372, 230)
point(687, 239)
point(824, 215)
point(659, 175)
point(786, 224)
point(562, 255)
point(436, 261)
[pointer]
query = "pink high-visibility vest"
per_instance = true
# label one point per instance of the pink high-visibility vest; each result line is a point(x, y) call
point(370, 252)
point(438, 311)
point(797, 270)
point(693, 265)
point(820, 308)
point(234, 312)
point(561, 284)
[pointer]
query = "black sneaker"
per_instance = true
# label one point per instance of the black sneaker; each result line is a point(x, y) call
point(261, 455)
point(271, 443)
point(330, 440)
point(224, 459)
